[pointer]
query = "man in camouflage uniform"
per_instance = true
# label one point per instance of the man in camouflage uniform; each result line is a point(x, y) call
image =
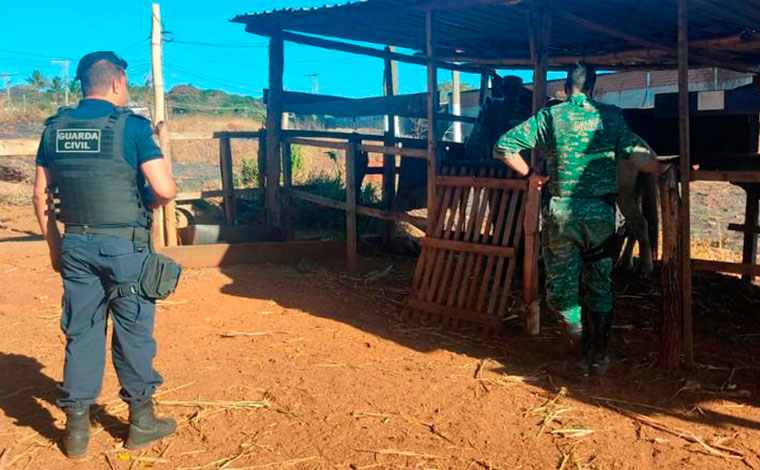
point(581, 141)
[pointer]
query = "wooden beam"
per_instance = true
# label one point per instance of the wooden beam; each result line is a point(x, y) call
point(287, 180)
point(483, 92)
point(745, 269)
point(747, 176)
point(199, 195)
point(388, 194)
point(352, 256)
point(316, 143)
point(482, 182)
point(701, 56)
point(393, 150)
point(274, 125)
point(432, 109)
point(228, 187)
point(539, 27)
point(362, 50)
point(743, 228)
point(749, 250)
point(468, 247)
point(685, 153)
point(460, 4)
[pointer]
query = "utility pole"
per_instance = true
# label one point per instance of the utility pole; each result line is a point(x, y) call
point(65, 64)
point(314, 82)
point(165, 222)
point(7, 81)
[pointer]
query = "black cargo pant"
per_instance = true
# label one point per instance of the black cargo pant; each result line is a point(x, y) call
point(92, 264)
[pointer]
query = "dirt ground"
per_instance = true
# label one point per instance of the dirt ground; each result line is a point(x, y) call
point(271, 366)
point(304, 367)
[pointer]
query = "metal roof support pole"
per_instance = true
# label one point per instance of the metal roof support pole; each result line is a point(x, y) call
point(274, 129)
point(539, 27)
point(685, 222)
point(432, 108)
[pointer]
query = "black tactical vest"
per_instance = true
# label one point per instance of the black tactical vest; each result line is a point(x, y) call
point(97, 187)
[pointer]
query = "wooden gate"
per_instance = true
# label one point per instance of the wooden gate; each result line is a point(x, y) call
point(464, 273)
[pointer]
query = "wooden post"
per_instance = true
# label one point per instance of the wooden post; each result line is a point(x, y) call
point(749, 254)
point(390, 85)
point(432, 102)
point(456, 105)
point(262, 162)
point(170, 212)
point(671, 332)
point(483, 88)
point(539, 49)
point(685, 157)
point(351, 235)
point(287, 179)
point(274, 125)
point(228, 186)
point(159, 110)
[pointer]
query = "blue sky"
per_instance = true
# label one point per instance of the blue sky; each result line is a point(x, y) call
point(229, 59)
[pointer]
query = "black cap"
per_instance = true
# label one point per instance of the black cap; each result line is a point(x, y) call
point(87, 61)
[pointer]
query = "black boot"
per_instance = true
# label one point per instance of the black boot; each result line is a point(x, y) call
point(77, 433)
point(600, 360)
point(145, 428)
point(575, 365)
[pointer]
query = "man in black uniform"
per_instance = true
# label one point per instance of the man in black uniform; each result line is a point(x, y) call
point(109, 174)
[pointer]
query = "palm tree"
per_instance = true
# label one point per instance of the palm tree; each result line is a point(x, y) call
point(37, 80)
point(57, 89)
point(75, 91)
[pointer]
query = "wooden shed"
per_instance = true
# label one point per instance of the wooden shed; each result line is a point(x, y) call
point(479, 36)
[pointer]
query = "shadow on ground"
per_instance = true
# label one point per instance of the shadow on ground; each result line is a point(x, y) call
point(727, 336)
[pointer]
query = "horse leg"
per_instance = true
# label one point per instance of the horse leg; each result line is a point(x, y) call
point(629, 203)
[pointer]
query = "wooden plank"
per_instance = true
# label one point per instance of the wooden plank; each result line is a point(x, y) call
point(352, 256)
point(749, 250)
point(388, 189)
point(320, 200)
point(274, 126)
point(261, 157)
point(239, 134)
point(317, 143)
point(335, 135)
point(685, 154)
point(432, 108)
point(287, 166)
point(468, 247)
point(392, 216)
point(539, 25)
point(228, 187)
point(391, 150)
point(18, 147)
point(483, 182)
point(411, 105)
point(199, 195)
point(743, 228)
point(209, 256)
point(463, 314)
point(745, 269)
point(483, 93)
point(748, 176)
point(362, 50)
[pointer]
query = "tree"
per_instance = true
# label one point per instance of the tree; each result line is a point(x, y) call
point(75, 91)
point(57, 89)
point(37, 80)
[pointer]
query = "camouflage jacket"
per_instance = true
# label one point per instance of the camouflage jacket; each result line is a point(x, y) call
point(581, 141)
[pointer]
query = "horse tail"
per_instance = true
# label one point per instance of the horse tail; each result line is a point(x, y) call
point(647, 188)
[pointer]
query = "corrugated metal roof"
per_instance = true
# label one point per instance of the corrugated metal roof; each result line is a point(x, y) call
point(496, 31)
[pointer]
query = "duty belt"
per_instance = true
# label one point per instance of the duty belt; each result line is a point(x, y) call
point(134, 234)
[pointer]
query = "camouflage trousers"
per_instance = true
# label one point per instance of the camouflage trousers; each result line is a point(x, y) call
point(570, 226)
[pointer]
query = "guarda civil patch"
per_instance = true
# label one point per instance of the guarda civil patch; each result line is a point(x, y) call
point(77, 140)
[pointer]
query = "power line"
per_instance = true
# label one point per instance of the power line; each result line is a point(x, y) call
point(208, 44)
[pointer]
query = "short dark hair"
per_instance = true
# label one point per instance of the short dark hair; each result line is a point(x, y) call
point(98, 77)
point(582, 77)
